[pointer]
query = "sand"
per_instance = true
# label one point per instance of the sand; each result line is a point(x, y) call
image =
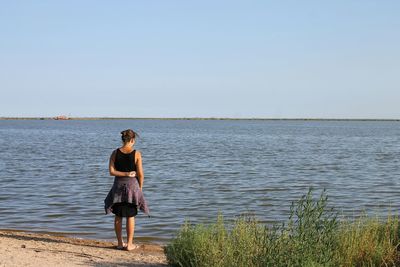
point(18, 248)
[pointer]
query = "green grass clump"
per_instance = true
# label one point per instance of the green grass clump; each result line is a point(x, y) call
point(216, 245)
point(313, 236)
point(368, 242)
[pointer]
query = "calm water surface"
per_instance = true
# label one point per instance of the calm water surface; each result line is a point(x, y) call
point(54, 174)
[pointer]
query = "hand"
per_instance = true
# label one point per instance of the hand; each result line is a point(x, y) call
point(132, 174)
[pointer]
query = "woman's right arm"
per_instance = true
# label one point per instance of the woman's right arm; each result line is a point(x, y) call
point(114, 172)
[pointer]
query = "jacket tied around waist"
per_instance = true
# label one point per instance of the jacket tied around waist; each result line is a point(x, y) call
point(125, 189)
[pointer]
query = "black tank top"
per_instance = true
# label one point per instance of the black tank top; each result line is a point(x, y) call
point(125, 162)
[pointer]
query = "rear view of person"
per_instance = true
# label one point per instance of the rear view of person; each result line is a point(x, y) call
point(126, 196)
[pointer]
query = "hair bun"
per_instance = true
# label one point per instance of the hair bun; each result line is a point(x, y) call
point(127, 135)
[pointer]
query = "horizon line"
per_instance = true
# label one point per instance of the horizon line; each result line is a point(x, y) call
point(197, 118)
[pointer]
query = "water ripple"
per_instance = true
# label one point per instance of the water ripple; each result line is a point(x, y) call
point(194, 169)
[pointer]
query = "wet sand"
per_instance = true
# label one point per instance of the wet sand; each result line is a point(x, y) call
point(18, 248)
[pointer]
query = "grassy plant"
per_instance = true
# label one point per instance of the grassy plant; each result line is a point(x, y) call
point(312, 229)
point(309, 238)
point(313, 236)
point(216, 245)
point(369, 242)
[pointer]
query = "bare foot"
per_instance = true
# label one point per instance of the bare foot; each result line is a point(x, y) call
point(130, 247)
point(123, 246)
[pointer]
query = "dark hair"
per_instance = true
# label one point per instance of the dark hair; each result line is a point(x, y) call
point(127, 135)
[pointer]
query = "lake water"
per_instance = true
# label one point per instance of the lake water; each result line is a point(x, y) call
point(54, 174)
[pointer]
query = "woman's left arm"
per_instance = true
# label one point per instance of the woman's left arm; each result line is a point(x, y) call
point(139, 169)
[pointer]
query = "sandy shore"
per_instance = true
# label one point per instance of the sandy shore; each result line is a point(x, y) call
point(19, 248)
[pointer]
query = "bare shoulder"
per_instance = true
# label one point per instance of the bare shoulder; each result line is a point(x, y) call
point(138, 158)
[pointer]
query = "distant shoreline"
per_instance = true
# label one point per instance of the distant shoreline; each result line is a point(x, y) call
point(195, 118)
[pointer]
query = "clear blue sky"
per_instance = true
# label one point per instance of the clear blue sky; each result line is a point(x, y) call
point(269, 59)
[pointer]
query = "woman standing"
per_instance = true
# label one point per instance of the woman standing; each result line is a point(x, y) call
point(126, 195)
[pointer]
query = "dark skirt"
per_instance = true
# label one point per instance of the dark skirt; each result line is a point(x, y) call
point(124, 209)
